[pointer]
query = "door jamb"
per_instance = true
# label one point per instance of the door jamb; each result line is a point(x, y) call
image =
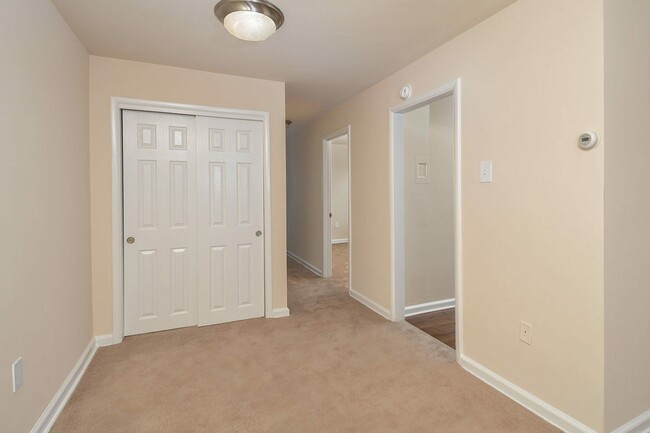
point(398, 289)
point(327, 201)
point(117, 105)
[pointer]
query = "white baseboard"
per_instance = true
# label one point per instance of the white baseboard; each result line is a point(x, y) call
point(104, 340)
point(640, 424)
point(383, 312)
point(430, 307)
point(554, 416)
point(340, 241)
point(305, 263)
point(58, 402)
point(280, 312)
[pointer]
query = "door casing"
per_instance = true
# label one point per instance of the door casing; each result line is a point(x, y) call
point(327, 201)
point(398, 289)
point(117, 105)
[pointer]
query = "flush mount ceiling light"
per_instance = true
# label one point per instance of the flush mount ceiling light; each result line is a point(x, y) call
point(249, 20)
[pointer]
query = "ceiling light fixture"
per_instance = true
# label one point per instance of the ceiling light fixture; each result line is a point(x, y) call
point(249, 20)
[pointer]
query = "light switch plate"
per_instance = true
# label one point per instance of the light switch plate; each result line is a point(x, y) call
point(486, 171)
point(422, 174)
point(17, 374)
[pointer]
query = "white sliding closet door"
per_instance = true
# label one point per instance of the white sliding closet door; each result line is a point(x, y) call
point(160, 236)
point(193, 220)
point(231, 220)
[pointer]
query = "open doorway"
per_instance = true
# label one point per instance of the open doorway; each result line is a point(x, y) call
point(426, 214)
point(429, 219)
point(336, 205)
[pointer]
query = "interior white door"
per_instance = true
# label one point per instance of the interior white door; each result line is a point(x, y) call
point(160, 231)
point(231, 220)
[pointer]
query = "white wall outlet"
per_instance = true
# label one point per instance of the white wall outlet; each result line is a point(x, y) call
point(17, 374)
point(486, 171)
point(337, 225)
point(526, 332)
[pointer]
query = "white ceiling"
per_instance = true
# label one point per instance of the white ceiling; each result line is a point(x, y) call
point(327, 51)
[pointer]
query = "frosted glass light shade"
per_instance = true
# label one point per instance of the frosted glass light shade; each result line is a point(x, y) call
point(249, 25)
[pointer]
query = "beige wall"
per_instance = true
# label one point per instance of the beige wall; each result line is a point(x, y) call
point(429, 206)
point(45, 294)
point(533, 240)
point(304, 196)
point(418, 206)
point(340, 190)
point(627, 211)
point(111, 77)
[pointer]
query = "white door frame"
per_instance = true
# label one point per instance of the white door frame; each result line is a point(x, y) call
point(117, 105)
point(398, 285)
point(327, 201)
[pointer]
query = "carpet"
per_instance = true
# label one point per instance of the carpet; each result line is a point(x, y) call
point(333, 366)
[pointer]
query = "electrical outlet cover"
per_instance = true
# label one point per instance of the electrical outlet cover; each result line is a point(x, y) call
point(486, 171)
point(526, 332)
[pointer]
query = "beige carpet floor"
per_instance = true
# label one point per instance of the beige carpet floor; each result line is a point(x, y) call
point(333, 366)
